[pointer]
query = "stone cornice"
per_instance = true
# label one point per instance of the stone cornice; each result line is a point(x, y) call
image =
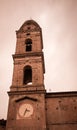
point(26, 92)
point(27, 54)
point(61, 94)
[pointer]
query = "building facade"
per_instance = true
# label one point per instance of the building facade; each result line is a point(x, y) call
point(30, 106)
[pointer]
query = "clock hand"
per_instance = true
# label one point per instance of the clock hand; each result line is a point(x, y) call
point(25, 111)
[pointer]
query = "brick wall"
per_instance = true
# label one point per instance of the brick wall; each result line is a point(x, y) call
point(61, 111)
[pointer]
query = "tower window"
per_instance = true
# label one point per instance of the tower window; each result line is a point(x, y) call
point(27, 75)
point(28, 43)
point(28, 34)
point(28, 28)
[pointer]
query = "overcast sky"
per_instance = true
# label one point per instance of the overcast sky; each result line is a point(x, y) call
point(58, 20)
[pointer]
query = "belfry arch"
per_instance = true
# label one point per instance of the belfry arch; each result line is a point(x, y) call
point(28, 43)
point(27, 78)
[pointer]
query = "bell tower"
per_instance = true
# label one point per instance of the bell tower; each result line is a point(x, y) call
point(26, 108)
point(28, 59)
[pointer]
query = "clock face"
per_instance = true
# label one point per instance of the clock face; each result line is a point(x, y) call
point(25, 110)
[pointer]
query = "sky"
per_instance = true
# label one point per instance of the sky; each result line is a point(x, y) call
point(58, 20)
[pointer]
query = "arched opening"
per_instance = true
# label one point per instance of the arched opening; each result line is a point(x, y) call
point(27, 75)
point(28, 43)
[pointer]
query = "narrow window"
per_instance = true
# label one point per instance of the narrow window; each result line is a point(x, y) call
point(28, 43)
point(27, 75)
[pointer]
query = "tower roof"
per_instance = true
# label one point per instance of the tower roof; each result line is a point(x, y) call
point(30, 22)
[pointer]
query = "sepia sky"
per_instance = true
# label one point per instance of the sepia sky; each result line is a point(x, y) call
point(58, 20)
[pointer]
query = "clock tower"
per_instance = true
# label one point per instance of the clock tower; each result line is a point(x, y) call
point(26, 110)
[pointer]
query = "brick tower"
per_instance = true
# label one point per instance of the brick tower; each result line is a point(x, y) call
point(26, 110)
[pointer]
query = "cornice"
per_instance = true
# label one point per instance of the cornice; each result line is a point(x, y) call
point(61, 94)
